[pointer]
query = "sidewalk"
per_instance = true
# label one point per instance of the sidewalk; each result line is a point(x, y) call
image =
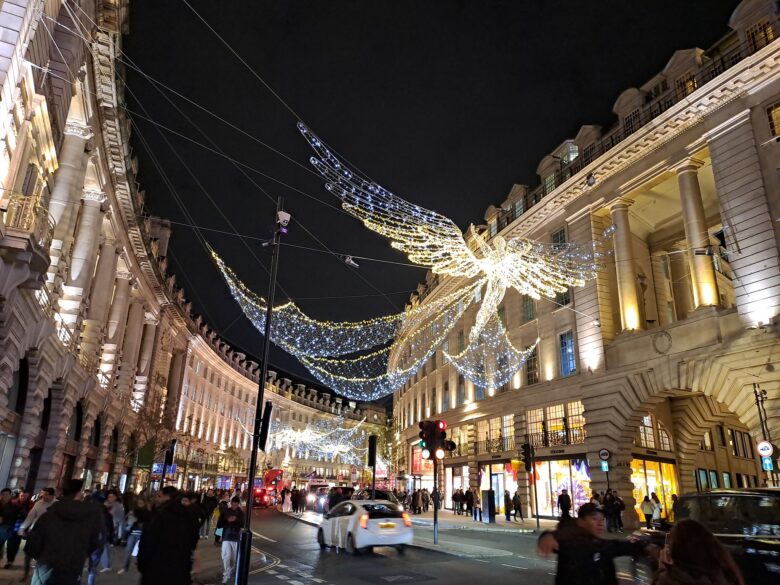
point(210, 572)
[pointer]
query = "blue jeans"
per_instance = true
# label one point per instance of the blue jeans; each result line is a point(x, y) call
point(205, 528)
point(100, 556)
point(43, 575)
point(131, 542)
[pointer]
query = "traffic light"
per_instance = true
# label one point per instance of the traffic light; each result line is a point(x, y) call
point(440, 438)
point(427, 438)
point(527, 456)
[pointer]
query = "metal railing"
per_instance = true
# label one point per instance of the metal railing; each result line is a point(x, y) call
point(497, 445)
point(574, 436)
point(25, 214)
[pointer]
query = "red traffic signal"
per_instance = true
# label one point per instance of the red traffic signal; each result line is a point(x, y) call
point(441, 424)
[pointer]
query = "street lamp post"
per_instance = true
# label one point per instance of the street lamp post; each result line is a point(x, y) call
point(245, 543)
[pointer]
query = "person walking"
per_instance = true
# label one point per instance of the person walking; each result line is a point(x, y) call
point(694, 556)
point(136, 519)
point(63, 538)
point(620, 507)
point(208, 503)
point(417, 502)
point(426, 500)
point(508, 506)
point(168, 541)
point(456, 502)
point(8, 512)
point(564, 503)
point(657, 507)
point(469, 501)
point(19, 507)
point(584, 556)
point(102, 554)
point(608, 505)
point(222, 507)
point(230, 523)
point(517, 504)
point(676, 506)
point(45, 501)
point(647, 509)
point(477, 505)
point(117, 510)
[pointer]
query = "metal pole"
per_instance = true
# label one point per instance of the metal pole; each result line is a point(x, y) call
point(536, 498)
point(608, 478)
point(435, 502)
point(245, 543)
point(373, 480)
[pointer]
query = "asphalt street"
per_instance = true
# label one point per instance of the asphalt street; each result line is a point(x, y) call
point(293, 556)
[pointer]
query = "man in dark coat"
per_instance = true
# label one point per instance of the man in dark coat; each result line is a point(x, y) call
point(564, 503)
point(168, 541)
point(584, 557)
point(209, 503)
point(63, 538)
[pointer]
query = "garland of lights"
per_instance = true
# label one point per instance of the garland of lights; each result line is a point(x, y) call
point(325, 438)
point(433, 240)
point(492, 360)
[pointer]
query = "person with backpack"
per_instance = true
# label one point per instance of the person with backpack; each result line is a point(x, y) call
point(231, 523)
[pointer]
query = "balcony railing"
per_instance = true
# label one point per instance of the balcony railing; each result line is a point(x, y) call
point(575, 436)
point(497, 445)
point(25, 214)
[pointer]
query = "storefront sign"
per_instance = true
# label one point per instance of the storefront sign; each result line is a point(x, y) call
point(765, 449)
point(557, 451)
point(604, 454)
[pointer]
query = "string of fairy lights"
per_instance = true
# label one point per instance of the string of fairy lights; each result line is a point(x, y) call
point(329, 439)
point(365, 360)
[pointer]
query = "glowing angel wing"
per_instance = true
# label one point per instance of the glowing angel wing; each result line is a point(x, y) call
point(538, 269)
point(426, 237)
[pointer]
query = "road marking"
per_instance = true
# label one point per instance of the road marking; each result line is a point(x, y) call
point(480, 561)
point(258, 535)
point(269, 567)
point(295, 583)
point(282, 577)
point(514, 566)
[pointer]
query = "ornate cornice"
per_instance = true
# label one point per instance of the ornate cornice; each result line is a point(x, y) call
point(78, 129)
point(93, 195)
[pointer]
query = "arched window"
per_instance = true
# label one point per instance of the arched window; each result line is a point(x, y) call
point(664, 438)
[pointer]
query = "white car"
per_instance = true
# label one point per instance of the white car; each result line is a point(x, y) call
point(358, 525)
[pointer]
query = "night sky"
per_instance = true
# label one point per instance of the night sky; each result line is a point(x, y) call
point(445, 103)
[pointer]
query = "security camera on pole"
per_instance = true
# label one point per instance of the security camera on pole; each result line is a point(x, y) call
point(262, 418)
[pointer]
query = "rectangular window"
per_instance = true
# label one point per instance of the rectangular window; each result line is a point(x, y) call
point(529, 309)
point(559, 238)
point(706, 442)
point(747, 446)
point(461, 341)
point(532, 368)
point(735, 443)
point(760, 34)
point(703, 481)
point(631, 123)
point(478, 294)
point(576, 416)
point(549, 183)
point(479, 392)
point(722, 435)
point(461, 390)
point(493, 225)
point(434, 404)
point(508, 425)
point(563, 298)
point(568, 358)
point(519, 207)
point(483, 430)
point(535, 421)
point(773, 114)
point(726, 479)
point(713, 479)
point(445, 397)
point(685, 85)
point(445, 346)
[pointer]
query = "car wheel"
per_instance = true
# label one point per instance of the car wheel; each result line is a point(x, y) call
point(401, 548)
point(321, 539)
point(351, 548)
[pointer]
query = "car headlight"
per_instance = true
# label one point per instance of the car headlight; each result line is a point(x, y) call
point(310, 498)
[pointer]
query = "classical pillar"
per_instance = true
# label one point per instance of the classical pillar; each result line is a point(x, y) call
point(175, 378)
point(82, 261)
point(703, 283)
point(68, 184)
point(130, 347)
point(99, 300)
point(679, 268)
point(145, 354)
point(628, 293)
point(115, 326)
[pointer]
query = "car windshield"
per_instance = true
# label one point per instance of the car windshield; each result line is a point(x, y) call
point(732, 514)
point(383, 510)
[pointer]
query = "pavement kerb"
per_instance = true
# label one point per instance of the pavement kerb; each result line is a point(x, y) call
point(478, 528)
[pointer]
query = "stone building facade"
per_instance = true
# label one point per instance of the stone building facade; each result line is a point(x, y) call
point(658, 359)
point(99, 353)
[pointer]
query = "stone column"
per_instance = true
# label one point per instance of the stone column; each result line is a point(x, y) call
point(82, 261)
point(628, 293)
point(68, 183)
point(140, 386)
point(130, 347)
point(99, 299)
point(115, 326)
point(705, 288)
point(175, 379)
point(679, 268)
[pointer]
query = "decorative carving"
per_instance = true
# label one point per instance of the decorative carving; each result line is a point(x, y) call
point(78, 129)
point(95, 195)
point(662, 342)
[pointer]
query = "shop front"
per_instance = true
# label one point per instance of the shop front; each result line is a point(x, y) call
point(552, 476)
point(497, 476)
point(456, 477)
point(657, 476)
point(422, 472)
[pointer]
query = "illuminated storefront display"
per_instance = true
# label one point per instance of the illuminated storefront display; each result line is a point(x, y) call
point(498, 477)
point(552, 477)
point(653, 476)
point(455, 478)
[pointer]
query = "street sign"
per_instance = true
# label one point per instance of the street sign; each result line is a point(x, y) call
point(766, 464)
point(604, 454)
point(604, 466)
point(765, 449)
